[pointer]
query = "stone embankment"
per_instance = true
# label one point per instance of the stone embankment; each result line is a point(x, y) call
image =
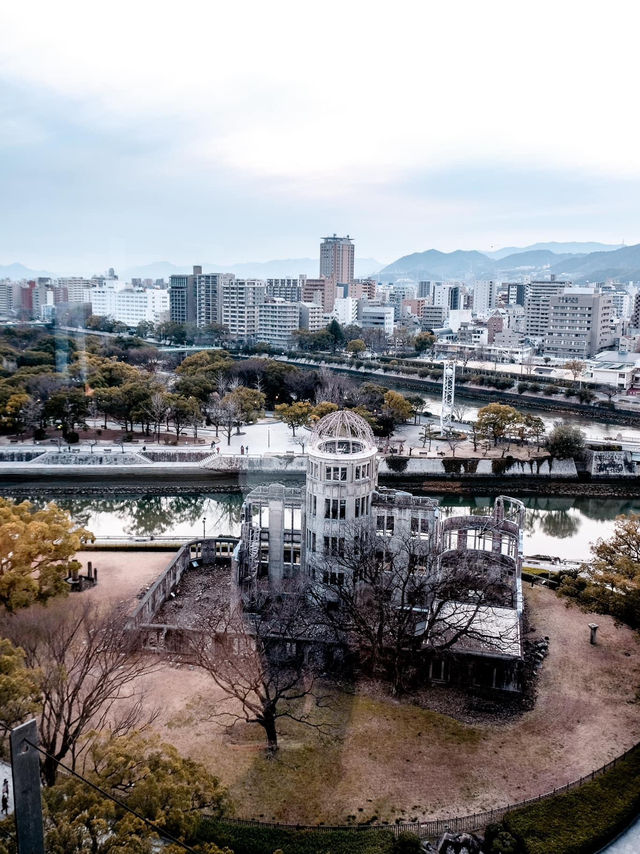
point(603, 474)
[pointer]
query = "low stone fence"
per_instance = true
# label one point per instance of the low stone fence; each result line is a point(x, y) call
point(19, 456)
point(66, 458)
point(161, 456)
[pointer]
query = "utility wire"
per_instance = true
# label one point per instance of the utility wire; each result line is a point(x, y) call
point(104, 793)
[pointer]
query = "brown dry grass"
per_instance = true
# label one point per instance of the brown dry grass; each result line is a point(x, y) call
point(389, 759)
point(394, 759)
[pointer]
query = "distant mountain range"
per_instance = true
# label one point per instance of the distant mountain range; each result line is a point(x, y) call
point(19, 271)
point(558, 248)
point(580, 262)
point(622, 263)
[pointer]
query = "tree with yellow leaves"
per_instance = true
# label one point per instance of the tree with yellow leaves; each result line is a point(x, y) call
point(37, 549)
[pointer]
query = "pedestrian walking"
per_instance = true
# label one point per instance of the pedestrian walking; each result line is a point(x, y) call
point(242, 450)
point(5, 796)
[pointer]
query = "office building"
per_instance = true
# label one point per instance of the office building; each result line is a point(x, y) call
point(376, 317)
point(183, 307)
point(580, 324)
point(448, 295)
point(337, 256)
point(128, 305)
point(516, 292)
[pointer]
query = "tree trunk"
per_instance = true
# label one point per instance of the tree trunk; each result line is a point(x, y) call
point(49, 770)
point(271, 733)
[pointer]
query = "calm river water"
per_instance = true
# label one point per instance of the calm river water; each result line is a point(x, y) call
point(562, 527)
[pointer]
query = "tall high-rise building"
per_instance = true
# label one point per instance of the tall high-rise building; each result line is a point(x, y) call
point(182, 297)
point(195, 297)
point(337, 258)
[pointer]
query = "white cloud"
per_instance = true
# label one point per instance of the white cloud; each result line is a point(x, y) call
point(351, 92)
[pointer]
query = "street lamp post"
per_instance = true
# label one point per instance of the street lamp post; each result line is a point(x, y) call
point(268, 437)
point(204, 529)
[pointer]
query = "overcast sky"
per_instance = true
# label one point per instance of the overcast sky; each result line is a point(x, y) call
point(218, 132)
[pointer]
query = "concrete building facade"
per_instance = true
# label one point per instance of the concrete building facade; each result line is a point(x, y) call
point(580, 324)
point(296, 537)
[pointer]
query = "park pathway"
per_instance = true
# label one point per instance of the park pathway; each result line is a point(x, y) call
point(628, 843)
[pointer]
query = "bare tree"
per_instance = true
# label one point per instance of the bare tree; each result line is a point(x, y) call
point(333, 387)
point(229, 416)
point(453, 440)
point(459, 413)
point(89, 674)
point(263, 660)
point(393, 605)
point(427, 434)
point(157, 411)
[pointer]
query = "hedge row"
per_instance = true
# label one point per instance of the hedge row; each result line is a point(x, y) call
point(265, 840)
point(583, 820)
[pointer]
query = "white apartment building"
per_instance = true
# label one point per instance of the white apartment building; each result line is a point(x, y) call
point(485, 298)
point(240, 299)
point(277, 321)
point(345, 311)
point(77, 286)
point(128, 305)
point(311, 316)
point(538, 296)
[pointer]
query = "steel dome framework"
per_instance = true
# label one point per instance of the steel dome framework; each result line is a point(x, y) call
point(343, 424)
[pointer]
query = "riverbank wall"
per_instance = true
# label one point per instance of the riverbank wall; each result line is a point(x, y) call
point(184, 480)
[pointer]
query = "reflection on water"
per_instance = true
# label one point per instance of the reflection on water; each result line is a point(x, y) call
point(154, 515)
point(560, 526)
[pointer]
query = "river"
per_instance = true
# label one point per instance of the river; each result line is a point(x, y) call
point(562, 527)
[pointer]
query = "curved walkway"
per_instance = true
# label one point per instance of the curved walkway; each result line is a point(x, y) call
point(628, 843)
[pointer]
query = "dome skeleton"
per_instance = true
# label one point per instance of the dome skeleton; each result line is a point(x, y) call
point(343, 424)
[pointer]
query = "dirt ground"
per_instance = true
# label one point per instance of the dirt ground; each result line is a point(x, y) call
point(390, 759)
point(123, 574)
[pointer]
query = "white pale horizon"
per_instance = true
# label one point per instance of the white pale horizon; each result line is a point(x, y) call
point(145, 131)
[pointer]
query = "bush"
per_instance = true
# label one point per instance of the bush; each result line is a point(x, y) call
point(39, 433)
point(128, 437)
point(397, 464)
point(72, 437)
point(522, 387)
point(583, 820)
point(265, 840)
point(407, 843)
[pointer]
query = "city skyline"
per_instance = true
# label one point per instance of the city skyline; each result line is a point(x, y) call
point(448, 124)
